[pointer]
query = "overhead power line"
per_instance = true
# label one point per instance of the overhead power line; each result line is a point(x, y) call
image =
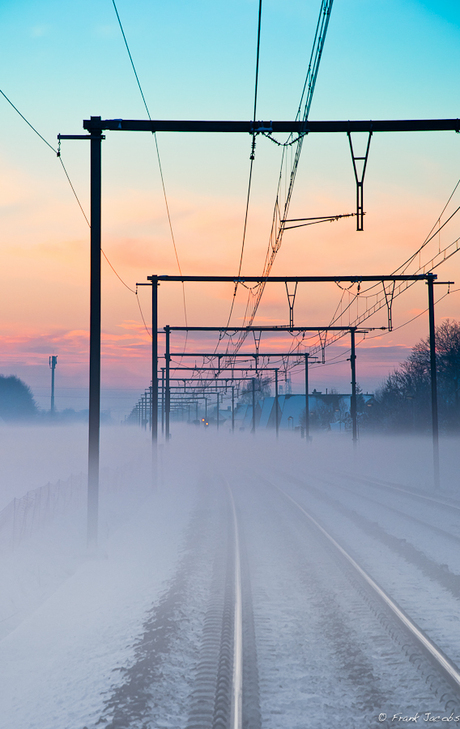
point(251, 163)
point(160, 167)
point(278, 226)
point(57, 152)
point(282, 202)
point(28, 123)
point(434, 230)
point(375, 298)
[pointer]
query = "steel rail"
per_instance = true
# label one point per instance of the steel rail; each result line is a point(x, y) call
point(406, 492)
point(410, 517)
point(448, 668)
point(237, 684)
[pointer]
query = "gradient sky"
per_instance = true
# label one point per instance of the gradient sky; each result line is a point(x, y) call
point(65, 62)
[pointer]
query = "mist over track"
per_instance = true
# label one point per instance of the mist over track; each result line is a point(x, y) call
point(215, 601)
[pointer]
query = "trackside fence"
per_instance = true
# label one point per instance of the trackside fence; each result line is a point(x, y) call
point(23, 517)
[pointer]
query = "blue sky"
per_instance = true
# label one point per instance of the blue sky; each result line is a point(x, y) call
point(197, 58)
point(63, 63)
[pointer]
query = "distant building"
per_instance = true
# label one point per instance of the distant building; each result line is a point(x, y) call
point(328, 411)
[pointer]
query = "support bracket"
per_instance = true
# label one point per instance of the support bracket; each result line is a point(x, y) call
point(389, 296)
point(359, 170)
point(322, 343)
point(257, 336)
point(291, 300)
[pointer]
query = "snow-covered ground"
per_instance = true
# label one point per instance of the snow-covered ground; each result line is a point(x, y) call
point(58, 662)
point(69, 622)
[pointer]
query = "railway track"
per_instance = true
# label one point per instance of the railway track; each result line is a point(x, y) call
point(415, 642)
point(439, 660)
point(416, 537)
point(194, 662)
point(217, 698)
point(271, 622)
point(389, 486)
point(444, 505)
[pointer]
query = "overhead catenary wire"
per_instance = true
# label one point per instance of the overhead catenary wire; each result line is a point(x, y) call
point(278, 221)
point(57, 152)
point(440, 257)
point(74, 192)
point(251, 162)
point(336, 359)
point(160, 166)
point(149, 332)
point(429, 237)
point(417, 316)
point(443, 255)
point(28, 123)
point(277, 227)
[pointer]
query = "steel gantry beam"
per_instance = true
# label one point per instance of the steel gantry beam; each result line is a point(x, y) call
point(95, 126)
point(231, 379)
point(429, 278)
point(166, 387)
point(289, 279)
point(211, 387)
point(190, 387)
point(256, 356)
point(98, 125)
point(200, 391)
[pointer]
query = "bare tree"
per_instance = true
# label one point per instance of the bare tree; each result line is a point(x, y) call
point(262, 390)
point(403, 402)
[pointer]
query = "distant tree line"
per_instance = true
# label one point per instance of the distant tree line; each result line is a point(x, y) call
point(17, 405)
point(403, 403)
point(16, 400)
